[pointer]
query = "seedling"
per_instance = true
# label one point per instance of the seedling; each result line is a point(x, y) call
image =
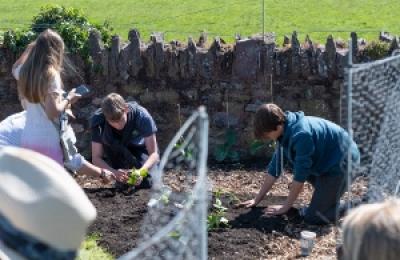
point(136, 174)
point(231, 196)
point(258, 145)
point(217, 218)
point(165, 197)
point(186, 152)
point(225, 151)
point(174, 234)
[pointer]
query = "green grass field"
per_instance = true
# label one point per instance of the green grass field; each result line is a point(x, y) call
point(179, 19)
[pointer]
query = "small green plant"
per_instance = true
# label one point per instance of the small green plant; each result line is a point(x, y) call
point(233, 199)
point(165, 197)
point(217, 217)
point(377, 50)
point(258, 145)
point(225, 151)
point(185, 151)
point(174, 234)
point(136, 174)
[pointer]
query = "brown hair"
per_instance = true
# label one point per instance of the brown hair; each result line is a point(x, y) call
point(267, 119)
point(372, 232)
point(43, 62)
point(113, 107)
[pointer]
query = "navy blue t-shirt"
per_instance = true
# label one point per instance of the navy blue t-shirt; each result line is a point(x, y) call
point(143, 126)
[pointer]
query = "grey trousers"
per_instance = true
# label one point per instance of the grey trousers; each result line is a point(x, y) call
point(324, 205)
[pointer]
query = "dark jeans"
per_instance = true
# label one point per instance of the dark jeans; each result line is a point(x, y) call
point(121, 157)
point(147, 183)
point(128, 158)
point(328, 188)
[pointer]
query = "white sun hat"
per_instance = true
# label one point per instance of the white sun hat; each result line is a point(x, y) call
point(44, 214)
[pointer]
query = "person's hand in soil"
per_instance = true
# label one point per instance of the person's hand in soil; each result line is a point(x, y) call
point(276, 210)
point(107, 176)
point(121, 175)
point(248, 203)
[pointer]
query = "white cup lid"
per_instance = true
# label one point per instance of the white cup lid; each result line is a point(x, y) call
point(308, 234)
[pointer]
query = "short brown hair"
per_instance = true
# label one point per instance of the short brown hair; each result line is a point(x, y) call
point(113, 107)
point(372, 231)
point(267, 119)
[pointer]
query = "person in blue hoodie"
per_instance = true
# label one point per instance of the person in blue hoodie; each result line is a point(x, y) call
point(316, 149)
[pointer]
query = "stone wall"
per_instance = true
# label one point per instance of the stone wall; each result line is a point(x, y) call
point(173, 79)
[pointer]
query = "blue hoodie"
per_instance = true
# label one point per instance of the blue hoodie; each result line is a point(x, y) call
point(312, 146)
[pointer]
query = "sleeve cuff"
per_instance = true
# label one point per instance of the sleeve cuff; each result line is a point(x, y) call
point(76, 163)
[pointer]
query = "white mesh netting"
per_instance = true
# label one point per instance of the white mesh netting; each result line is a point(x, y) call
point(374, 116)
point(175, 225)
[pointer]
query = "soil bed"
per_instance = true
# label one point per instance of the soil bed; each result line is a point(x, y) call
point(250, 235)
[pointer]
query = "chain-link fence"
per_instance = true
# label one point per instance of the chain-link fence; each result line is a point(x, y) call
point(371, 100)
point(175, 225)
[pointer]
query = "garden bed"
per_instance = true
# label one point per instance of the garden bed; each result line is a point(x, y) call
point(250, 234)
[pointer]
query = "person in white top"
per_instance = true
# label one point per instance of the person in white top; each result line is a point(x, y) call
point(41, 93)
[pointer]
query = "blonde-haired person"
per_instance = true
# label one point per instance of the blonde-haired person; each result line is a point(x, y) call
point(41, 92)
point(372, 231)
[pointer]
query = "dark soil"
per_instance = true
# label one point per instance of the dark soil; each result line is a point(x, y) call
point(250, 234)
point(118, 217)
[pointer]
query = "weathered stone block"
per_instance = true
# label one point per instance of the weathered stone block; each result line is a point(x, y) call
point(246, 59)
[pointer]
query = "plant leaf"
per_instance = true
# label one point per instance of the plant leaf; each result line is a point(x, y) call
point(234, 156)
point(256, 145)
point(220, 153)
point(224, 220)
point(230, 137)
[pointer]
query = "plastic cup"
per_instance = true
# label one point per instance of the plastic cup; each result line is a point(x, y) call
point(307, 242)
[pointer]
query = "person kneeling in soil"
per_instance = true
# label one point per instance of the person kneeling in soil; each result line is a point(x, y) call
point(315, 148)
point(124, 137)
point(372, 232)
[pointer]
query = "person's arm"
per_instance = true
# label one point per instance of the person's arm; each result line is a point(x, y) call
point(94, 171)
point(152, 149)
point(304, 148)
point(55, 104)
point(97, 159)
point(269, 181)
point(294, 191)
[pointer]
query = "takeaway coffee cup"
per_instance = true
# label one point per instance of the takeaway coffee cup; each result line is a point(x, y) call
point(307, 242)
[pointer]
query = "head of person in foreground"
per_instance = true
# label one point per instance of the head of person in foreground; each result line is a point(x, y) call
point(372, 231)
point(44, 214)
